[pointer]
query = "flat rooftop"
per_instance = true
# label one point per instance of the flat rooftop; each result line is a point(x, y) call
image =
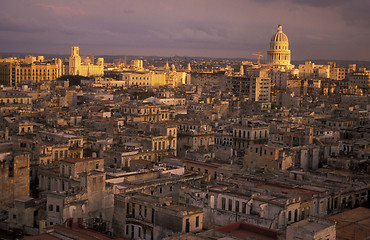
point(78, 160)
point(243, 230)
point(313, 224)
point(353, 224)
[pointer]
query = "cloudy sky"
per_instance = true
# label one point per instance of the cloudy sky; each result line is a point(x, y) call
point(317, 29)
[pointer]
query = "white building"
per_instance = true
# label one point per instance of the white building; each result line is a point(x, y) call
point(279, 53)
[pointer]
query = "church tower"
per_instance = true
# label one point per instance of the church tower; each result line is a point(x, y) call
point(279, 53)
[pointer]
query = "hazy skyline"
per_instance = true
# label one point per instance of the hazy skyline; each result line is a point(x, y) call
point(317, 29)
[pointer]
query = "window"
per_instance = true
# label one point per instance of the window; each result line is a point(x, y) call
point(50, 207)
point(236, 206)
point(290, 216)
point(97, 166)
point(57, 208)
point(244, 207)
point(295, 215)
point(223, 203)
point(128, 209)
point(187, 225)
point(230, 204)
point(197, 221)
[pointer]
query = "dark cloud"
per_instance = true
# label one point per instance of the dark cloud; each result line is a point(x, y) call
point(9, 24)
point(234, 28)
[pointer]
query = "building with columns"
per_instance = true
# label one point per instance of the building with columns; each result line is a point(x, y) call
point(279, 53)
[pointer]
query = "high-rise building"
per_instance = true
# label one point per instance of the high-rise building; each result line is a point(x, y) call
point(254, 86)
point(279, 53)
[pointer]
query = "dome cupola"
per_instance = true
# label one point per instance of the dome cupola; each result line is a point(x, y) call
point(279, 53)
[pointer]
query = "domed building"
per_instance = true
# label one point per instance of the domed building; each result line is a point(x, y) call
point(279, 53)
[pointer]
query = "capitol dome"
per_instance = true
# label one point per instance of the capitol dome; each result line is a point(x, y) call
point(279, 36)
point(279, 53)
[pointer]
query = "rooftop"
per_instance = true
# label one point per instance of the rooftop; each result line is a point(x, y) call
point(353, 224)
point(79, 160)
point(73, 232)
point(243, 230)
point(313, 224)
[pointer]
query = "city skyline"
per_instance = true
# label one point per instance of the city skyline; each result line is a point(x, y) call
point(316, 29)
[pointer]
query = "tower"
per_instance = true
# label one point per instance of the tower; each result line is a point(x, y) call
point(189, 67)
point(279, 53)
point(74, 61)
point(241, 71)
point(167, 67)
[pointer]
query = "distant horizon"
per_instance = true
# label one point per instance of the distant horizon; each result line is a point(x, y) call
point(8, 54)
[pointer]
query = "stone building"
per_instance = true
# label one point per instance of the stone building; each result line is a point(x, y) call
point(208, 169)
point(139, 112)
point(312, 229)
point(66, 175)
point(92, 201)
point(14, 177)
point(27, 215)
point(12, 104)
point(74, 143)
point(193, 136)
point(260, 156)
point(249, 132)
point(150, 217)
